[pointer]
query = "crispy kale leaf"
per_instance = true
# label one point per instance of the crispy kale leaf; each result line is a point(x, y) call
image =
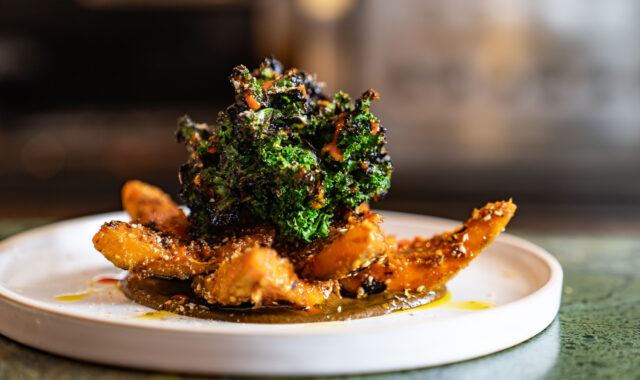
point(284, 152)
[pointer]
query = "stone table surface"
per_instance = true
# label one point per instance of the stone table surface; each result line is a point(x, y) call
point(595, 335)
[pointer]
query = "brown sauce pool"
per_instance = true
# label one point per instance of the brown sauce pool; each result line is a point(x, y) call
point(177, 297)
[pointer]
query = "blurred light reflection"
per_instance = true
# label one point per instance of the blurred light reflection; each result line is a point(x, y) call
point(535, 100)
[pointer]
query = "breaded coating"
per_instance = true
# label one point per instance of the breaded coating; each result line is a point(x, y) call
point(357, 246)
point(146, 252)
point(262, 277)
point(150, 206)
point(245, 269)
point(424, 265)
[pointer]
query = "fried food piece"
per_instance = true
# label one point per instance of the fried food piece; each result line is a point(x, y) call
point(146, 252)
point(357, 246)
point(150, 206)
point(427, 264)
point(262, 277)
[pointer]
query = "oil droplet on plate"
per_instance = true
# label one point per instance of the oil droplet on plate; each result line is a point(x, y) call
point(160, 314)
point(73, 297)
point(469, 305)
point(106, 279)
point(437, 303)
point(446, 302)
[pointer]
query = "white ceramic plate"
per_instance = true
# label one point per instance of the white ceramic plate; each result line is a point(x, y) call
point(36, 266)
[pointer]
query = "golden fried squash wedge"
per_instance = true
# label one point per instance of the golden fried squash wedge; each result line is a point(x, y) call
point(262, 277)
point(150, 206)
point(427, 264)
point(146, 252)
point(356, 246)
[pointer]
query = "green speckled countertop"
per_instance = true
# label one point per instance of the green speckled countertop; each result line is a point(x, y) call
point(596, 334)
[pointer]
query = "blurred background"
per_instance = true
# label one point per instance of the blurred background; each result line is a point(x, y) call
point(535, 100)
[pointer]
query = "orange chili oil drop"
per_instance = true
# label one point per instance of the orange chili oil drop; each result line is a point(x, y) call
point(106, 279)
point(267, 85)
point(332, 147)
point(251, 101)
point(375, 127)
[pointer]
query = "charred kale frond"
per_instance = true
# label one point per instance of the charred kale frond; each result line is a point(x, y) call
point(285, 153)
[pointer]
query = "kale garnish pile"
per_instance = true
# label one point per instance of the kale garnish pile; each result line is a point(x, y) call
point(285, 153)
